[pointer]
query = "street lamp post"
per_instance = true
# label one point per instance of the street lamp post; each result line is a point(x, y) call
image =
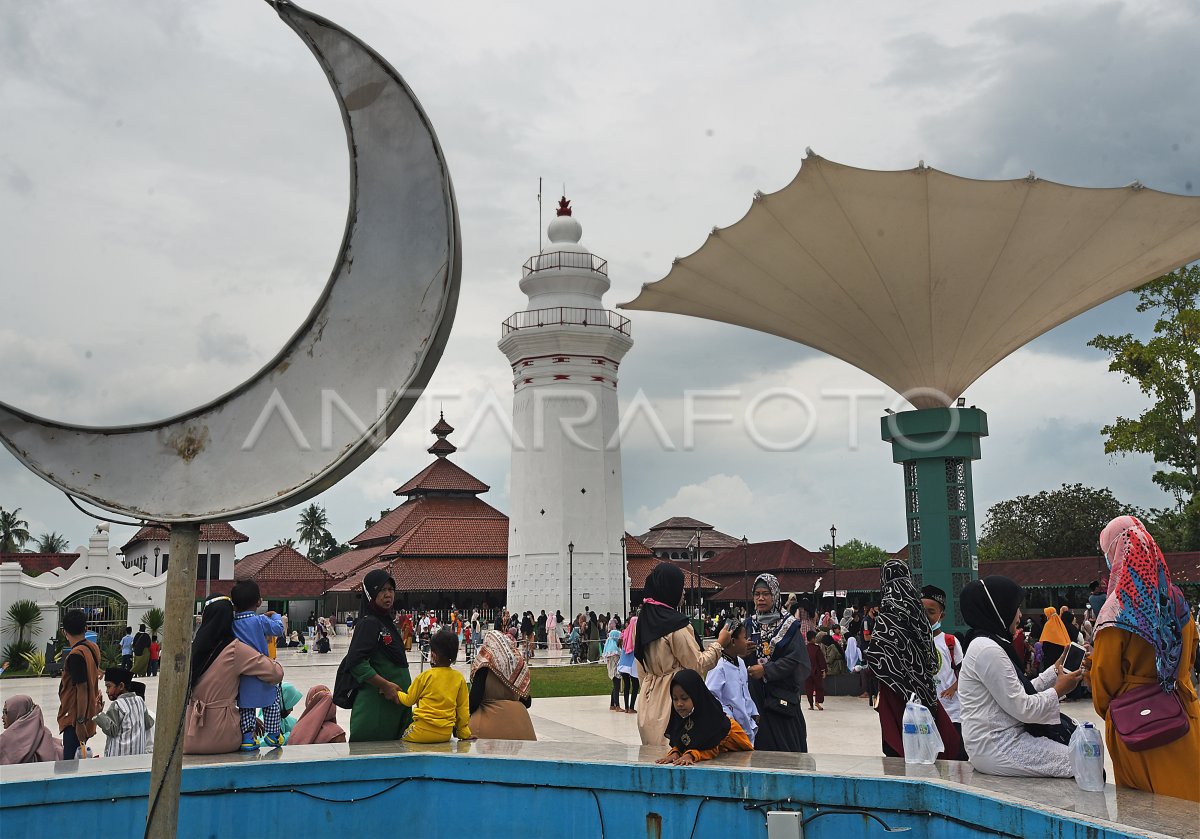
point(833, 562)
point(624, 588)
point(745, 577)
point(699, 595)
point(157, 550)
point(571, 598)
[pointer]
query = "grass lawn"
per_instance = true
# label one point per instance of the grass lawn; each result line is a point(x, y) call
point(573, 680)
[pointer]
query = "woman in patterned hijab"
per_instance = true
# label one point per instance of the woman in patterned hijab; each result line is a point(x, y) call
point(902, 656)
point(500, 690)
point(1158, 645)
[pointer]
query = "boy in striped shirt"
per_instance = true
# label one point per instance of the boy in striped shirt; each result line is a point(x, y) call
point(125, 722)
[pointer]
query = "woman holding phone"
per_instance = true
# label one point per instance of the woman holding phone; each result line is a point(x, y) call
point(1011, 725)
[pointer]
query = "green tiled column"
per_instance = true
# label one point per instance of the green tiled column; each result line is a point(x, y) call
point(935, 447)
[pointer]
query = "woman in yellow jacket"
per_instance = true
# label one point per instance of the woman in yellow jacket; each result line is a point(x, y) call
point(1145, 634)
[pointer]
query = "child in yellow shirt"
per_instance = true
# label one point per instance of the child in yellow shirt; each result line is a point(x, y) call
point(440, 695)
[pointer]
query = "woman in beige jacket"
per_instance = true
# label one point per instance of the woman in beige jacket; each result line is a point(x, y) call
point(664, 644)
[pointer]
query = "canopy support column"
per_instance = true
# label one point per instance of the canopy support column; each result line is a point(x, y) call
point(935, 447)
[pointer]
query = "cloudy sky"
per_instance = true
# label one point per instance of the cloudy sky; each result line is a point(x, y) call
point(173, 192)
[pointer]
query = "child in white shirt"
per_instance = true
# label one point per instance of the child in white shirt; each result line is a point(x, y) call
point(729, 682)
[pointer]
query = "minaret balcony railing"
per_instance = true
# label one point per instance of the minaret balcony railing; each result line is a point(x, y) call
point(565, 316)
point(565, 259)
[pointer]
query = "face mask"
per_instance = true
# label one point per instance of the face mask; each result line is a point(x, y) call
point(936, 628)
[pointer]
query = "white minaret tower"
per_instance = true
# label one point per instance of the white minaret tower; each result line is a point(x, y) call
point(568, 518)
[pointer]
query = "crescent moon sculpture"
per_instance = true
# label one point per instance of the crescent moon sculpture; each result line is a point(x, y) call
point(351, 372)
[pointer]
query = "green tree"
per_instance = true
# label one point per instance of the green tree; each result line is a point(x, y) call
point(14, 531)
point(1061, 522)
point(1167, 370)
point(286, 543)
point(154, 620)
point(52, 543)
point(312, 529)
point(855, 553)
point(25, 616)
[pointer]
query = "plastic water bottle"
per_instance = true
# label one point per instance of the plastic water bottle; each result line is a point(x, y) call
point(1087, 757)
point(917, 733)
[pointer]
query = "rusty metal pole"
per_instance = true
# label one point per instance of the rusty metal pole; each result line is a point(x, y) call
point(163, 810)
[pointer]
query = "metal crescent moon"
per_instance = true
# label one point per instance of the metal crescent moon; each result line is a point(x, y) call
point(349, 375)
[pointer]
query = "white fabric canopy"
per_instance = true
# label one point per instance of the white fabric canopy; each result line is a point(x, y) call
point(925, 280)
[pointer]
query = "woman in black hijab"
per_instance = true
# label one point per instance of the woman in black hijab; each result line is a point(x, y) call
point(903, 658)
point(664, 644)
point(214, 635)
point(1010, 724)
point(698, 728)
point(375, 667)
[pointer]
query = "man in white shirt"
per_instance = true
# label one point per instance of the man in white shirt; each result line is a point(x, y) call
point(729, 682)
point(950, 656)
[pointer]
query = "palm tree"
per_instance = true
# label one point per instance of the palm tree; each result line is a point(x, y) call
point(52, 543)
point(26, 617)
point(313, 526)
point(286, 543)
point(154, 619)
point(14, 531)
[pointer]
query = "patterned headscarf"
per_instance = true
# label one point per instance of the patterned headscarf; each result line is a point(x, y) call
point(498, 653)
point(771, 582)
point(901, 653)
point(768, 632)
point(1141, 597)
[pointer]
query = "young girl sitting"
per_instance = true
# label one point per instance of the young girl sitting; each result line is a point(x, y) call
point(440, 695)
point(698, 728)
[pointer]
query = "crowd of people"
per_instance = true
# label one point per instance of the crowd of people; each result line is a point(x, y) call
point(996, 695)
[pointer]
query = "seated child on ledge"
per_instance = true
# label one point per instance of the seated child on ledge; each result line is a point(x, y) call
point(698, 728)
point(440, 695)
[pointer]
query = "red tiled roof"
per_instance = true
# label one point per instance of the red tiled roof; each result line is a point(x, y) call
point(40, 563)
point(1059, 572)
point(278, 563)
point(443, 476)
point(409, 514)
point(771, 557)
point(789, 582)
point(435, 574)
point(219, 532)
point(453, 536)
point(641, 567)
point(345, 564)
point(634, 547)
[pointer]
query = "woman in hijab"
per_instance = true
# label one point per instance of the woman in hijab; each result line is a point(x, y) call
point(627, 667)
point(1145, 633)
point(1054, 638)
point(905, 662)
point(664, 644)
point(376, 661)
point(527, 630)
point(26, 739)
point(612, 657)
point(499, 699)
point(1010, 725)
point(553, 642)
point(698, 728)
point(218, 662)
point(593, 638)
point(318, 723)
point(778, 667)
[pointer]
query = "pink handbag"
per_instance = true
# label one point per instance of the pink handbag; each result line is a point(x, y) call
point(1147, 717)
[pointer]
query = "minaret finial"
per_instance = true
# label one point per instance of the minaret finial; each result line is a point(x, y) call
point(564, 206)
